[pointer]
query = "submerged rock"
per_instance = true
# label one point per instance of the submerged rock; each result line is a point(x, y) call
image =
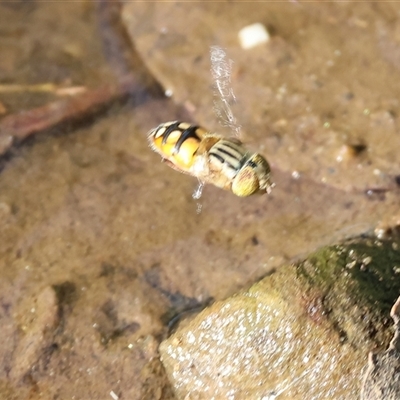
point(302, 332)
point(37, 342)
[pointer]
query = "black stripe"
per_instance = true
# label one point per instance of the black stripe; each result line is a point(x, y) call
point(218, 157)
point(222, 160)
point(237, 157)
point(186, 134)
point(169, 130)
point(252, 164)
point(233, 146)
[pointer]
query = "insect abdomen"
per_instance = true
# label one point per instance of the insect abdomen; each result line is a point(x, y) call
point(177, 142)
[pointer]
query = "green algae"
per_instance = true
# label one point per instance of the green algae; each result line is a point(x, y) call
point(357, 283)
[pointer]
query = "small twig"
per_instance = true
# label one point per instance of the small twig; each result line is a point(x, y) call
point(43, 88)
point(16, 127)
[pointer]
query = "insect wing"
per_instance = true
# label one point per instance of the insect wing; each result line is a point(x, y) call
point(221, 71)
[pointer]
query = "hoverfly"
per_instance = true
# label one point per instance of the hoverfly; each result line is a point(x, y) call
point(212, 158)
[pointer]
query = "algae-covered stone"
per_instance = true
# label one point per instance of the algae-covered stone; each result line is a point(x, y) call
point(302, 332)
point(382, 379)
point(357, 282)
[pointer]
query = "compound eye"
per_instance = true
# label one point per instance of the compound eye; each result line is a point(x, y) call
point(245, 182)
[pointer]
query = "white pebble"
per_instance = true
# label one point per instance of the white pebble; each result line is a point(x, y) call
point(253, 35)
point(168, 92)
point(114, 395)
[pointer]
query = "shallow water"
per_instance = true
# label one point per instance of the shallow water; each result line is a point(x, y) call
point(94, 210)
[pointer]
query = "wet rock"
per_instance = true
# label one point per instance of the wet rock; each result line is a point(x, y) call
point(38, 334)
point(356, 282)
point(382, 379)
point(302, 332)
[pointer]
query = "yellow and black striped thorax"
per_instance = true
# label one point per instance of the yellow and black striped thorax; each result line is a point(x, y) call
point(177, 142)
point(229, 155)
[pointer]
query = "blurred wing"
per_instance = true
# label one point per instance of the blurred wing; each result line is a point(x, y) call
point(221, 70)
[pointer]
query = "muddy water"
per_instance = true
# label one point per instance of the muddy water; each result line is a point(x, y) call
point(95, 215)
point(324, 81)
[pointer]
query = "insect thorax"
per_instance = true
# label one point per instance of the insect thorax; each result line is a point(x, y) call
point(228, 155)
